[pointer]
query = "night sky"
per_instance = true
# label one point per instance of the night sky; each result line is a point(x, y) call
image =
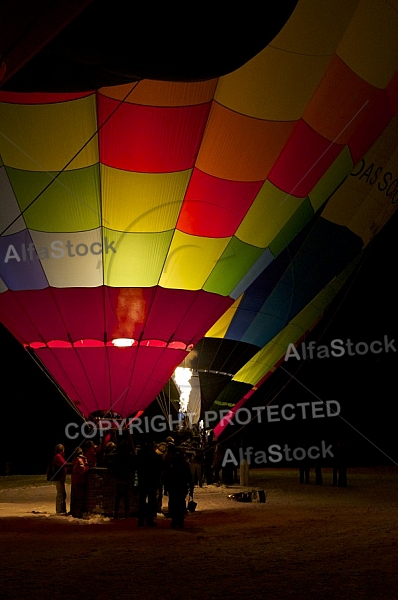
point(34, 413)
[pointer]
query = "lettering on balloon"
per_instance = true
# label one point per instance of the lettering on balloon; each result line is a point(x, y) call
point(372, 174)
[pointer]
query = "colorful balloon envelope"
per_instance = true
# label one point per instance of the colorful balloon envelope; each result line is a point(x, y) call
point(133, 217)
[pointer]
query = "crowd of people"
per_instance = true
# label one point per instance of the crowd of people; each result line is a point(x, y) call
point(168, 469)
point(340, 465)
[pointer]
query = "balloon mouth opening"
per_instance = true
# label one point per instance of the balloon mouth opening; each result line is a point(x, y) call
point(123, 342)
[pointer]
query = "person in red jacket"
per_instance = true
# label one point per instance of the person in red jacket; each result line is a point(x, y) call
point(90, 452)
point(59, 476)
point(78, 480)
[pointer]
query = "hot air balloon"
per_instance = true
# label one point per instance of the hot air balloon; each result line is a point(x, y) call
point(136, 216)
point(291, 293)
point(256, 324)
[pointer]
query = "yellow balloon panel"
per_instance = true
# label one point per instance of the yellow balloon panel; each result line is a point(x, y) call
point(344, 204)
point(315, 28)
point(366, 46)
point(45, 137)
point(134, 259)
point(384, 148)
point(67, 201)
point(274, 85)
point(370, 217)
point(142, 202)
point(370, 192)
point(267, 216)
point(336, 173)
point(190, 261)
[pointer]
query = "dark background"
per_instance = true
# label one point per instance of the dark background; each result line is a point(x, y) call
point(34, 413)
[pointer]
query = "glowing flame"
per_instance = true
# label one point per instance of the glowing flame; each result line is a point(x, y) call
point(123, 342)
point(182, 377)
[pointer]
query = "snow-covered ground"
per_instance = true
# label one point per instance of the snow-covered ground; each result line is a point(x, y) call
point(306, 542)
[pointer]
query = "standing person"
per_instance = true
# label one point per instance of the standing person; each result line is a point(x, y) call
point(196, 466)
point(235, 452)
point(340, 463)
point(217, 463)
point(208, 462)
point(59, 476)
point(123, 469)
point(318, 471)
point(149, 475)
point(304, 470)
point(79, 470)
point(178, 480)
point(160, 451)
point(90, 452)
point(305, 466)
point(227, 469)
